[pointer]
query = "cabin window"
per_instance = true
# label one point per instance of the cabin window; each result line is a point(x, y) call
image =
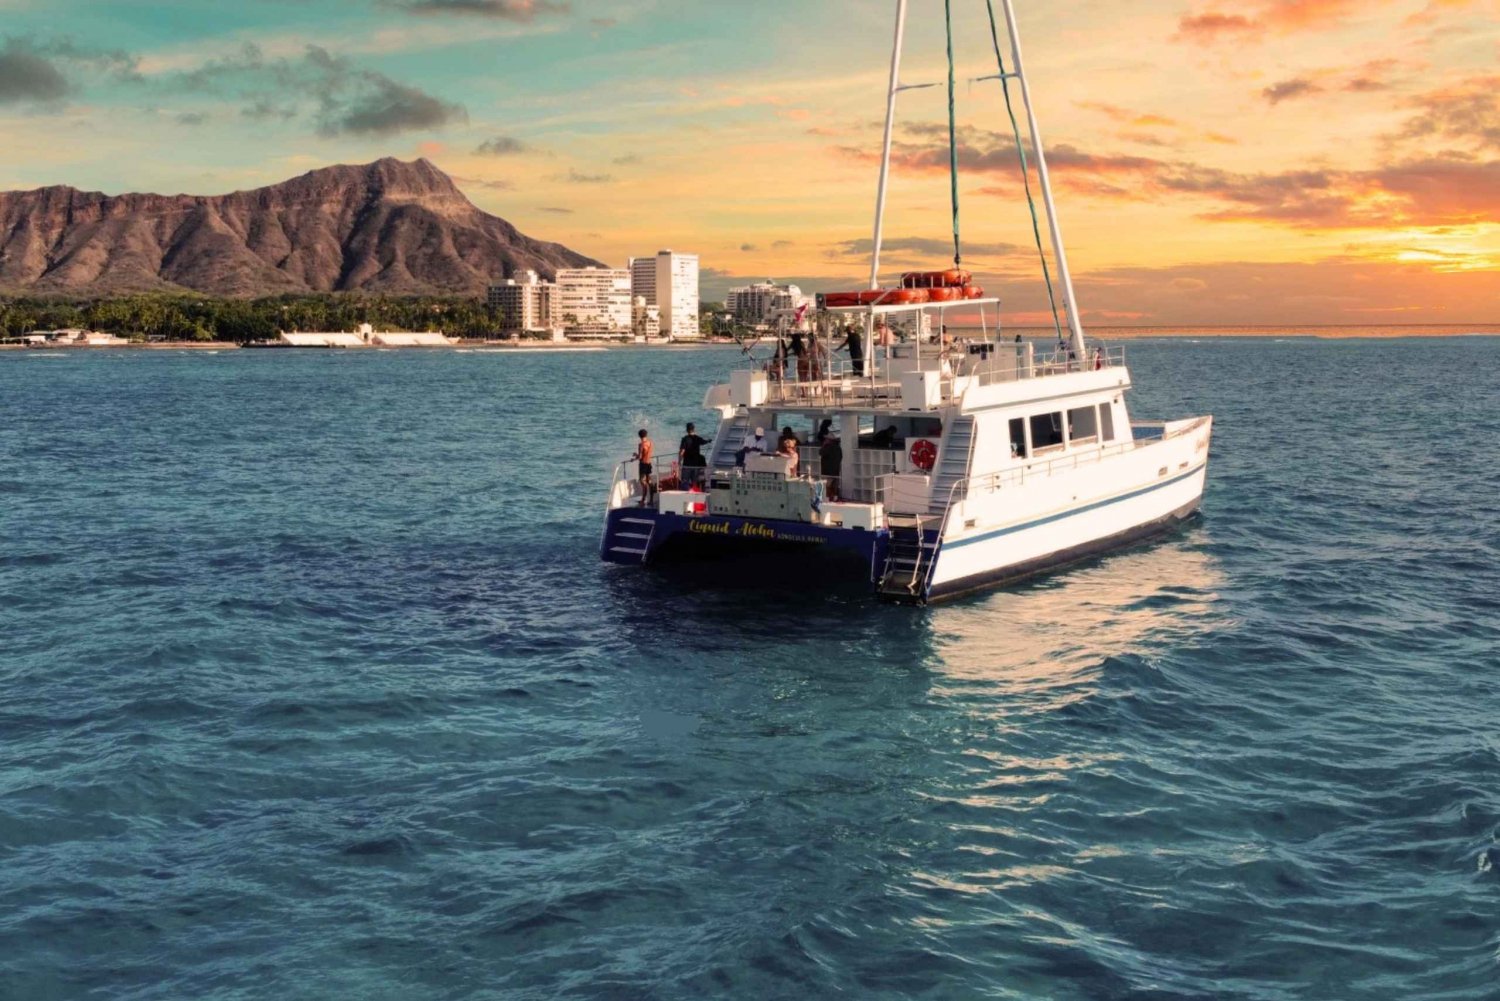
point(1018, 437)
point(1083, 425)
point(1046, 431)
point(1106, 422)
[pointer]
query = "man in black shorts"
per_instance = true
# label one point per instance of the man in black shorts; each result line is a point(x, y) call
point(690, 458)
point(643, 454)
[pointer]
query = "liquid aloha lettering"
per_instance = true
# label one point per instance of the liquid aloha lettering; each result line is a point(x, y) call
point(748, 530)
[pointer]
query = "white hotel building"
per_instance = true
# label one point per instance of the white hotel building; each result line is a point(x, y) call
point(594, 302)
point(669, 282)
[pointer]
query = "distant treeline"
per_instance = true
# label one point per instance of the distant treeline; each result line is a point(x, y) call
point(189, 318)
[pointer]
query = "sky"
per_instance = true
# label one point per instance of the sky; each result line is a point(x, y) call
point(1228, 162)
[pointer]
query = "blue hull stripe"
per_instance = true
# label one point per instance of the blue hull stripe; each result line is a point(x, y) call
point(987, 536)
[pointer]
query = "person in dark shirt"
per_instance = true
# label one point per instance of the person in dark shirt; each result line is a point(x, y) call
point(690, 458)
point(824, 430)
point(855, 342)
point(831, 462)
point(884, 439)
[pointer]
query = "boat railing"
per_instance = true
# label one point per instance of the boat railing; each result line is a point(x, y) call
point(831, 383)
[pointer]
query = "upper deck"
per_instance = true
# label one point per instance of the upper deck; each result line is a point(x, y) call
point(926, 379)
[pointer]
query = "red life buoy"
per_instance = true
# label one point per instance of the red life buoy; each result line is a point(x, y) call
point(923, 454)
point(973, 292)
point(944, 294)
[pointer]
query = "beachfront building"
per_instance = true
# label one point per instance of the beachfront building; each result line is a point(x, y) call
point(366, 336)
point(669, 281)
point(643, 279)
point(525, 304)
point(645, 319)
point(756, 304)
point(677, 295)
point(594, 302)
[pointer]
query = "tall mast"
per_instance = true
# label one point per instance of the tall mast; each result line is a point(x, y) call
point(1074, 326)
point(885, 149)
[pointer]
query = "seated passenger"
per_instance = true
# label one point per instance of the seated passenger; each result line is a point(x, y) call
point(789, 449)
point(884, 439)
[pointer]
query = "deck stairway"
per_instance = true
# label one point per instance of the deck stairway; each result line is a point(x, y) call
point(631, 541)
point(734, 438)
point(908, 560)
point(953, 464)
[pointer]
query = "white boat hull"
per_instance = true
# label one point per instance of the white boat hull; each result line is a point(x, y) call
point(1024, 528)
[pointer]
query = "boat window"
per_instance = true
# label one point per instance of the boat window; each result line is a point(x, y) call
point(1083, 425)
point(1106, 422)
point(1018, 436)
point(1046, 430)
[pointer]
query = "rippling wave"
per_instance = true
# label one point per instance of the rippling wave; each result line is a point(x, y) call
point(312, 685)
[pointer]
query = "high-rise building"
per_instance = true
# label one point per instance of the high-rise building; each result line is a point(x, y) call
point(677, 294)
point(594, 302)
point(643, 279)
point(525, 304)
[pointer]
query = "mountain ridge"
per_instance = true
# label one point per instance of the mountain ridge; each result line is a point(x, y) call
point(391, 226)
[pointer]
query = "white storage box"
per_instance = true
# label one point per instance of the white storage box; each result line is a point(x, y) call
point(747, 388)
point(865, 516)
point(780, 465)
point(907, 493)
point(920, 390)
point(682, 502)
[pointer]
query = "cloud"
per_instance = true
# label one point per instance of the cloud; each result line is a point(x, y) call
point(42, 71)
point(338, 97)
point(493, 185)
point(506, 10)
point(578, 177)
point(27, 76)
point(626, 159)
point(1281, 17)
point(386, 107)
point(1288, 89)
point(1467, 113)
point(191, 118)
point(747, 247)
point(1432, 190)
point(555, 210)
point(500, 146)
point(917, 245)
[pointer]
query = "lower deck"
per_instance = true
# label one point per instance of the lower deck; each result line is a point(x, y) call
point(991, 531)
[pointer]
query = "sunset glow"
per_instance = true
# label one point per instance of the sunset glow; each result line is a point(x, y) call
point(1236, 162)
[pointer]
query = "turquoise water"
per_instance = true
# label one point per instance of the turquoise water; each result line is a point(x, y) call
point(312, 686)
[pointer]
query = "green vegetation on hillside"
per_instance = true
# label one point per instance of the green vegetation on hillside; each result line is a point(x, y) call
point(188, 318)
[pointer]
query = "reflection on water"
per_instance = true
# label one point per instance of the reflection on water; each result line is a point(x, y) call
point(1057, 632)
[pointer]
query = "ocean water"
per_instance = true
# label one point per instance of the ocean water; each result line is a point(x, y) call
point(313, 686)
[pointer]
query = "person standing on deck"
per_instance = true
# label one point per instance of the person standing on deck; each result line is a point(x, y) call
point(690, 458)
point(799, 351)
point(831, 463)
point(644, 452)
point(855, 342)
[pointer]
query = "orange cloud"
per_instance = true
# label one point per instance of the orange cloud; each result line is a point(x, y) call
point(1280, 17)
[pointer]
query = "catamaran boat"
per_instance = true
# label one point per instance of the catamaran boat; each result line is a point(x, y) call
point(937, 465)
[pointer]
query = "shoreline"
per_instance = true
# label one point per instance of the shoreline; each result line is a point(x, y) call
point(1392, 332)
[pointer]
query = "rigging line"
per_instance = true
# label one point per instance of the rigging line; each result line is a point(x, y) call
point(1015, 127)
point(952, 136)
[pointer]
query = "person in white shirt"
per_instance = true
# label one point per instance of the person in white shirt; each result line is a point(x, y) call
point(756, 445)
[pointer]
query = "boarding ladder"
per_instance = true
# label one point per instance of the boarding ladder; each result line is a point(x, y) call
point(633, 537)
point(908, 559)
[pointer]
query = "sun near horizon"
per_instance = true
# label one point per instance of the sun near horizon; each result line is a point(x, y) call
point(1229, 163)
